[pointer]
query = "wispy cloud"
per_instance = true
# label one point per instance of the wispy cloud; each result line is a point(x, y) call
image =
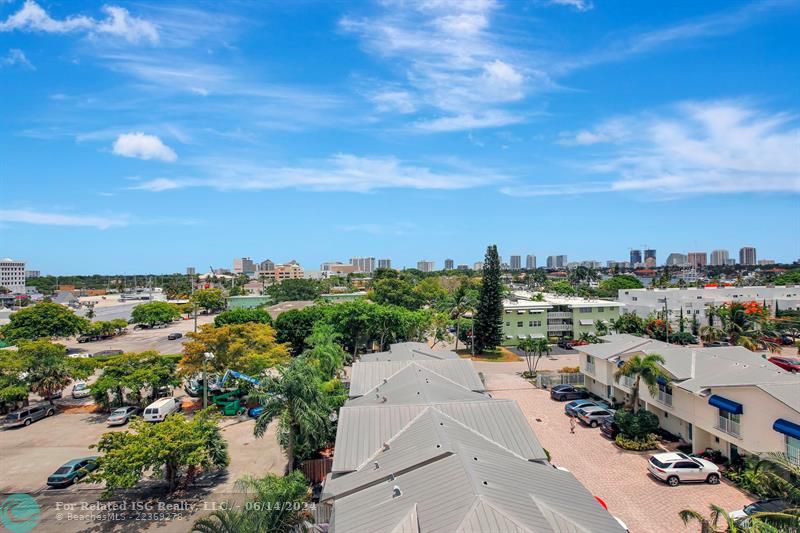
point(15, 56)
point(341, 172)
point(28, 216)
point(716, 147)
point(578, 5)
point(143, 146)
point(452, 64)
point(118, 22)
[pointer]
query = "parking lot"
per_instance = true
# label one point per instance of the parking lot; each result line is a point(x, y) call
point(29, 454)
point(619, 477)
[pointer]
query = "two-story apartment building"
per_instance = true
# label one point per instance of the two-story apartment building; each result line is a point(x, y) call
point(729, 399)
point(526, 315)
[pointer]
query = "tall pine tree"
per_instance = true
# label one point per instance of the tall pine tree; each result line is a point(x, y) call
point(489, 315)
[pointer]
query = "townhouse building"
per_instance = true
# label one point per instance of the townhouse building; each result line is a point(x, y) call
point(729, 399)
point(528, 315)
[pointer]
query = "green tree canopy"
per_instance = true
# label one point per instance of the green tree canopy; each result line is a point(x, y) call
point(47, 366)
point(243, 316)
point(609, 288)
point(290, 290)
point(210, 300)
point(489, 316)
point(250, 348)
point(395, 291)
point(152, 313)
point(127, 377)
point(295, 326)
point(647, 369)
point(177, 446)
point(43, 320)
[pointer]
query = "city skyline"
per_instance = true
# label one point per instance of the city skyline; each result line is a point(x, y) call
point(155, 134)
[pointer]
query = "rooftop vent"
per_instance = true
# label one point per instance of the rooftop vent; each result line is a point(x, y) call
point(377, 466)
point(396, 491)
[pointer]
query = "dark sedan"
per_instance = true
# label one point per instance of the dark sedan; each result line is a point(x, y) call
point(562, 393)
point(609, 428)
point(72, 471)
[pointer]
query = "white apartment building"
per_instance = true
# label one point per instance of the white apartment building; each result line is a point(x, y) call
point(426, 266)
point(12, 275)
point(719, 257)
point(363, 264)
point(695, 302)
point(384, 263)
point(729, 399)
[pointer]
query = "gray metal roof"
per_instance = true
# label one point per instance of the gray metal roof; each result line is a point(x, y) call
point(416, 384)
point(363, 430)
point(410, 351)
point(367, 376)
point(460, 481)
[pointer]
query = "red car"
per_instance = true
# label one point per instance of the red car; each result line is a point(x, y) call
point(792, 364)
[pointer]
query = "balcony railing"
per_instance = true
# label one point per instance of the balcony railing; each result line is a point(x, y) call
point(664, 397)
point(627, 382)
point(729, 426)
point(559, 314)
point(590, 368)
point(559, 327)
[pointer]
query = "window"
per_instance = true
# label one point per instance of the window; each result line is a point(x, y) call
point(635, 298)
point(729, 422)
point(520, 324)
point(685, 464)
point(793, 449)
point(508, 324)
point(535, 323)
point(585, 309)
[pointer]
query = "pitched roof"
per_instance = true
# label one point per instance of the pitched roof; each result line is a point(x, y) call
point(460, 481)
point(409, 351)
point(416, 384)
point(362, 430)
point(367, 376)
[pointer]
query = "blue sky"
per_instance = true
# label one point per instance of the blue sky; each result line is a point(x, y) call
point(153, 136)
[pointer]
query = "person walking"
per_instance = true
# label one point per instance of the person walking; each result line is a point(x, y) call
point(572, 425)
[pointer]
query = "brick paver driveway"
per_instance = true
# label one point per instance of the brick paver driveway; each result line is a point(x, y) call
point(618, 477)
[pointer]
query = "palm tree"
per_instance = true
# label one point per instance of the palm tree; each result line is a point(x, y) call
point(275, 504)
point(601, 328)
point(709, 524)
point(645, 369)
point(533, 350)
point(47, 379)
point(463, 303)
point(297, 401)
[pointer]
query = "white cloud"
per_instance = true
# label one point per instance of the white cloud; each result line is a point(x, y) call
point(341, 172)
point(489, 119)
point(143, 146)
point(696, 148)
point(450, 61)
point(27, 216)
point(578, 5)
point(394, 101)
point(15, 56)
point(118, 22)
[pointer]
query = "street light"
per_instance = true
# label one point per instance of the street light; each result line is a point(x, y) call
point(208, 356)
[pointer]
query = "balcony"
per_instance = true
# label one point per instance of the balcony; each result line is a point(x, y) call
point(731, 427)
point(559, 327)
point(664, 397)
point(590, 368)
point(559, 314)
point(627, 382)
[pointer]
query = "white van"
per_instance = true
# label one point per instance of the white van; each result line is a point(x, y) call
point(159, 409)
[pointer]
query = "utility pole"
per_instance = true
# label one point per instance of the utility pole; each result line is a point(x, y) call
point(666, 320)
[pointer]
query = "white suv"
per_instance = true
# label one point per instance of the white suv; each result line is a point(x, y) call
point(676, 468)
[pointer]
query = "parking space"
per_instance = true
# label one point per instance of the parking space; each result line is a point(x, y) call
point(619, 477)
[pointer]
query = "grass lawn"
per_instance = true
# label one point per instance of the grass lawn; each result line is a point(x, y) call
point(500, 355)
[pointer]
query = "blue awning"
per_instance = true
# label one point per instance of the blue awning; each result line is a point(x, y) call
point(726, 404)
point(787, 428)
point(661, 380)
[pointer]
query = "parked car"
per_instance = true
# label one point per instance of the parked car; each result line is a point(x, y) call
point(677, 468)
point(791, 364)
point(570, 408)
point(57, 395)
point(72, 471)
point(81, 390)
point(716, 344)
point(160, 409)
point(565, 344)
point(88, 338)
point(28, 415)
point(773, 505)
point(609, 428)
point(122, 416)
point(592, 415)
point(174, 336)
point(561, 393)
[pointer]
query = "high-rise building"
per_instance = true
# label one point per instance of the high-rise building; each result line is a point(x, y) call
point(677, 259)
point(719, 257)
point(31, 274)
point(363, 264)
point(765, 262)
point(636, 257)
point(426, 266)
point(697, 259)
point(478, 265)
point(190, 271)
point(448, 264)
point(556, 261)
point(266, 265)
point(530, 262)
point(649, 258)
point(462, 267)
point(747, 255)
point(243, 265)
point(516, 262)
point(384, 263)
point(12, 275)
